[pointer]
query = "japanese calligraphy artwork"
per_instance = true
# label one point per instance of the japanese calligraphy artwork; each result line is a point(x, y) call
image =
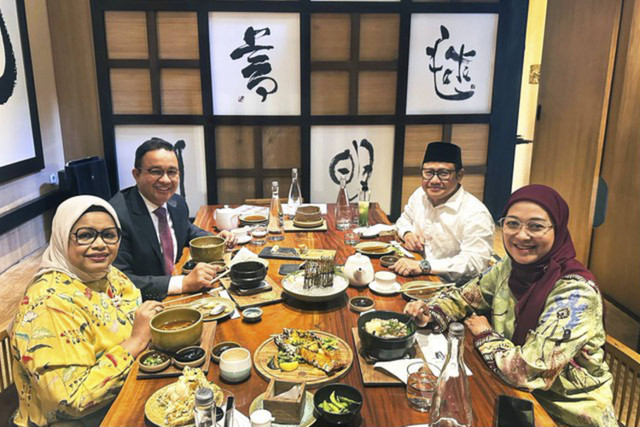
point(451, 60)
point(189, 143)
point(16, 133)
point(364, 154)
point(255, 63)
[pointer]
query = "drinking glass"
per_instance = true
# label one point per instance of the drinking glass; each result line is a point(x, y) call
point(259, 234)
point(421, 385)
point(351, 237)
point(355, 215)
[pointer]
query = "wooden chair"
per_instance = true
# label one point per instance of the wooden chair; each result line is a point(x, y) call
point(624, 364)
point(263, 202)
point(8, 393)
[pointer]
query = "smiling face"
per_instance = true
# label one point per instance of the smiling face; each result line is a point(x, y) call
point(97, 256)
point(524, 248)
point(157, 190)
point(440, 191)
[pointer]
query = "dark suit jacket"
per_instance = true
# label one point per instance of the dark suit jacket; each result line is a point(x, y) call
point(140, 256)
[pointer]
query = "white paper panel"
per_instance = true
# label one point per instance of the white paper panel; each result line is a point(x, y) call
point(272, 42)
point(129, 138)
point(436, 80)
point(350, 142)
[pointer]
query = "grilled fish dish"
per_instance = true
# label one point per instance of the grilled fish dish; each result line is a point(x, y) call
point(308, 347)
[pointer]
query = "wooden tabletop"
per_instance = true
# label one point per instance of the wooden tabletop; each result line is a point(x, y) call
point(383, 406)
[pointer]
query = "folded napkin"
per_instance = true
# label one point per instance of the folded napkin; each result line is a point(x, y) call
point(239, 420)
point(290, 210)
point(245, 209)
point(374, 229)
point(397, 368)
point(398, 246)
point(244, 254)
point(434, 347)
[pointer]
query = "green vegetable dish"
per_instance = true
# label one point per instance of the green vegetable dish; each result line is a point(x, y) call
point(338, 404)
point(154, 359)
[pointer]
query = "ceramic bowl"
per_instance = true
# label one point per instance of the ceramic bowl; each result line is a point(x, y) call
point(191, 264)
point(252, 315)
point(247, 274)
point(343, 390)
point(220, 348)
point(386, 348)
point(388, 260)
point(385, 280)
point(235, 365)
point(207, 249)
point(360, 304)
point(166, 360)
point(172, 340)
point(192, 356)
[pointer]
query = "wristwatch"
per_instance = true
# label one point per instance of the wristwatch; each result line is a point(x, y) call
point(425, 266)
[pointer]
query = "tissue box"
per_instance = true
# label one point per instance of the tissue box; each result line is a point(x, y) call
point(285, 411)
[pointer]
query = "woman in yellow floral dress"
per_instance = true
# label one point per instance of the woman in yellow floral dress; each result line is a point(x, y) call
point(80, 324)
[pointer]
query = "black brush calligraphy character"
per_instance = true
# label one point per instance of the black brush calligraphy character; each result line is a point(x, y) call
point(180, 145)
point(9, 76)
point(259, 66)
point(358, 168)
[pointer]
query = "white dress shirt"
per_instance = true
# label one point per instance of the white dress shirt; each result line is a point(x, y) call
point(175, 283)
point(457, 235)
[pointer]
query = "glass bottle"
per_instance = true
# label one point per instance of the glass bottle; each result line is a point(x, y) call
point(295, 195)
point(275, 228)
point(205, 409)
point(363, 206)
point(452, 400)
point(343, 211)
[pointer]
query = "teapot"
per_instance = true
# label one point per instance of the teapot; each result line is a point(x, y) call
point(359, 270)
point(226, 218)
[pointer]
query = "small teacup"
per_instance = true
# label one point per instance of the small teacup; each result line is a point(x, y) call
point(261, 418)
point(385, 279)
point(235, 365)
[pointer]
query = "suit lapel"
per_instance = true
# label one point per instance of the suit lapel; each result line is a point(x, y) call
point(181, 232)
point(142, 219)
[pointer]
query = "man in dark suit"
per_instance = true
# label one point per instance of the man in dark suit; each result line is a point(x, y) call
point(156, 227)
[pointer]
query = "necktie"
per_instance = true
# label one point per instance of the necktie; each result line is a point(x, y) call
point(165, 239)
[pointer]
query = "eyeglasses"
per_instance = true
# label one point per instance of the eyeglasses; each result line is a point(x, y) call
point(442, 174)
point(158, 173)
point(511, 226)
point(86, 236)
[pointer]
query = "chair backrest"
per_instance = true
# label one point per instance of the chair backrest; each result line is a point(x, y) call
point(624, 364)
point(263, 202)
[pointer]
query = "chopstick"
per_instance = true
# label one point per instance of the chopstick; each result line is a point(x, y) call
point(423, 287)
point(185, 297)
point(220, 276)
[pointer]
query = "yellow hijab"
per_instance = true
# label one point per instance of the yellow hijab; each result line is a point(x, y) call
point(55, 256)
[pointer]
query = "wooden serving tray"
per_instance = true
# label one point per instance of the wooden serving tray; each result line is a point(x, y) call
point(294, 254)
point(256, 300)
point(289, 226)
point(206, 342)
point(313, 376)
point(377, 377)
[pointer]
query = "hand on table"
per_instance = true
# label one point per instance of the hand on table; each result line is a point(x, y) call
point(199, 278)
point(413, 242)
point(230, 238)
point(420, 311)
point(406, 267)
point(141, 332)
point(477, 324)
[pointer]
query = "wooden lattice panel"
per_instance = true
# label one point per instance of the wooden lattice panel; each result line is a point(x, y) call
point(416, 139)
point(234, 148)
point(181, 91)
point(281, 147)
point(126, 35)
point(177, 35)
point(131, 91)
point(379, 36)
point(329, 92)
point(330, 37)
point(473, 139)
point(377, 92)
point(235, 190)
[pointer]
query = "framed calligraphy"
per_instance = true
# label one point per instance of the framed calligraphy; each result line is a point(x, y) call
point(255, 63)
point(20, 142)
point(364, 154)
point(451, 61)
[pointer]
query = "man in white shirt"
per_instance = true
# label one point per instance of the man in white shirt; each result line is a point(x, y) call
point(451, 227)
point(156, 227)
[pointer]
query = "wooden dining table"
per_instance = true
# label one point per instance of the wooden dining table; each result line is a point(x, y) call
point(382, 406)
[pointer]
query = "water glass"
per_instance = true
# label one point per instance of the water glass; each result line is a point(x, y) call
point(259, 234)
point(421, 385)
point(355, 215)
point(351, 238)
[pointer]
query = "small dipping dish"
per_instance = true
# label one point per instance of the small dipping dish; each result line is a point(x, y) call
point(361, 304)
point(189, 356)
point(388, 260)
point(219, 348)
point(153, 361)
point(252, 315)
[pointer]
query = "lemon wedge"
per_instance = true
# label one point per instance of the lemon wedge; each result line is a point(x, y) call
point(289, 366)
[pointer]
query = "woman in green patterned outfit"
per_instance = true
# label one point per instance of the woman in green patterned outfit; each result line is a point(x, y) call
point(546, 332)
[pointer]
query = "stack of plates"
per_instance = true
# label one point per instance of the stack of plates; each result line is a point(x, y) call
point(308, 224)
point(253, 219)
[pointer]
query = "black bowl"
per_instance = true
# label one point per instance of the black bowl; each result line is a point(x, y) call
point(246, 284)
point(386, 348)
point(248, 275)
point(341, 390)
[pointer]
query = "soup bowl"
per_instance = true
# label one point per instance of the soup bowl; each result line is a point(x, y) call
point(247, 274)
point(386, 348)
point(235, 364)
point(207, 248)
point(176, 328)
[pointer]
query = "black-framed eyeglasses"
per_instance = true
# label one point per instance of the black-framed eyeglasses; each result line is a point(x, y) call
point(442, 174)
point(158, 173)
point(86, 235)
point(534, 228)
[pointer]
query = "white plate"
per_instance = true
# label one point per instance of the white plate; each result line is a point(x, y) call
point(245, 238)
point(394, 289)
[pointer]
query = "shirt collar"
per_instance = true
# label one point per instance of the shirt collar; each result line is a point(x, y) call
point(454, 202)
point(151, 206)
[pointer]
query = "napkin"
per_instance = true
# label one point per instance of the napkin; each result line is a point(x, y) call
point(292, 394)
point(245, 209)
point(290, 210)
point(434, 347)
point(244, 254)
point(375, 229)
point(397, 368)
point(239, 420)
point(225, 294)
point(406, 253)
